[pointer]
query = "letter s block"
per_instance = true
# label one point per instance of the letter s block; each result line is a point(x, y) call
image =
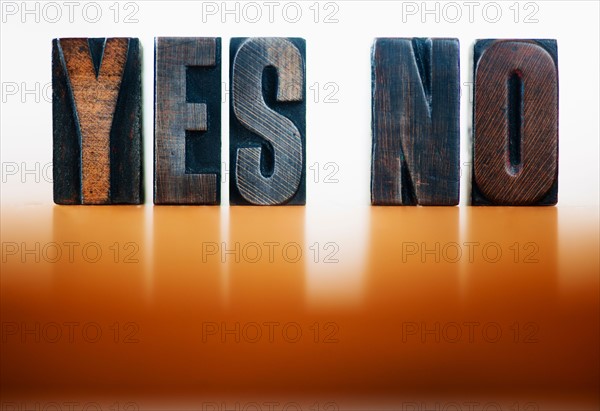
point(97, 117)
point(515, 123)
point(267, 121)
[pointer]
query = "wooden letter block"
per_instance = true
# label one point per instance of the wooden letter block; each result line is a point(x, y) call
point(415, 122)
point(96, 113)
point(187, 122)
point(515, 123)
point(267, 122)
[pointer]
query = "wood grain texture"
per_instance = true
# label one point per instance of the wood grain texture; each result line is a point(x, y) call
point(267, 122)
point(515, 123)
point(97, 133)
point(415, 122)
point(187, 122)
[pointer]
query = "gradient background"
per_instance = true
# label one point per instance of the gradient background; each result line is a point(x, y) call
point(336, 305)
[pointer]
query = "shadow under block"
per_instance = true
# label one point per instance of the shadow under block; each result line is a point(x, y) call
point(97, 117)
point(187, 122)
point(515, 123)
point(415, 122)
point(267, 121)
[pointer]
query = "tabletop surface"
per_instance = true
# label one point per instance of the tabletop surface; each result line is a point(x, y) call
point(322, 309)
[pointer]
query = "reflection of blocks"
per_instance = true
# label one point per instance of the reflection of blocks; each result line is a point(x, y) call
point(187, 124)
point(96, 107)
point(515, 123)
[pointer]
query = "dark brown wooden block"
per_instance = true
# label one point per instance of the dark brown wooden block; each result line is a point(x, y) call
point(515, 123)
point(267, 121)
point(187, 122)
point(415, 122)
point(97, 114)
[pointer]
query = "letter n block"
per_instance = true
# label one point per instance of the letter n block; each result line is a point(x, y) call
point(97, 121)
point(415, 121)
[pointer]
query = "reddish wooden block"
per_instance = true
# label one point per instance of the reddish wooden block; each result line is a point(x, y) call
point(515, 123)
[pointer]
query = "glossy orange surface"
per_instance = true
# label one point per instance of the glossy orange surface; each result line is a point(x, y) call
point(250, 308)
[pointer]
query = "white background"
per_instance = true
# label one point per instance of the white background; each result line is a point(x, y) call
point(337, 52)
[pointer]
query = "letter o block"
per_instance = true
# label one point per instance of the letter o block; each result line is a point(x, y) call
point(515, 123)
